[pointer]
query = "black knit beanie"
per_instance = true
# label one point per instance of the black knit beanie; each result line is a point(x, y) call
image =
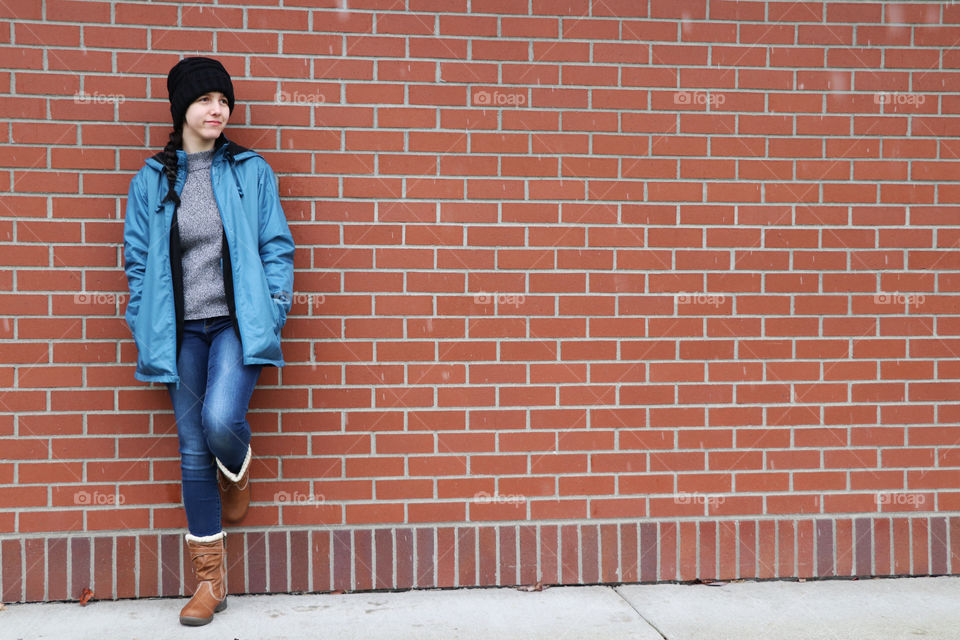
point(191, 78)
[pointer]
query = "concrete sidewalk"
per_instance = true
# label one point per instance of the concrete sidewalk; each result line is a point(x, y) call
point(884, 609)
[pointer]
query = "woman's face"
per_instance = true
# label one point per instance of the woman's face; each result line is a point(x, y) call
point(206, 117)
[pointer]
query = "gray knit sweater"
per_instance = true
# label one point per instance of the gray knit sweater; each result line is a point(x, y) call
point(201, 238)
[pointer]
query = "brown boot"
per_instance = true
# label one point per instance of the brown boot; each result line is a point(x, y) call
point(210, 566)
point(234, 490)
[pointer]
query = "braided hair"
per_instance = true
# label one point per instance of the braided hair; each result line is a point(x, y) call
point(170, 163)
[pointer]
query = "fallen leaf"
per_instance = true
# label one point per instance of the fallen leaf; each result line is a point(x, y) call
point(85, 596)
point(2, 607)
point(709, 583)
point(531, 587)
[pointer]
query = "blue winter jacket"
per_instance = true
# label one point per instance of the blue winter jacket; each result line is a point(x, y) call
point(257, 260)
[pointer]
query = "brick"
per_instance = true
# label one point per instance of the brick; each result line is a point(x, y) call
point(901, 546)
point(363, 559)
point(466, 556)
point(686, 543)
point(320, 559)
point(148, 559)
point(920, 545)
point(103, 567)
point(35, 561)
point(126, 573)
point(404, 540)
point(806, 559)
point(56, 552)
point(708, 552)
point(882, 561)
point(938, 545)
point(13, 560)
point(170, 564)
point(277, 560)
point(446, 557)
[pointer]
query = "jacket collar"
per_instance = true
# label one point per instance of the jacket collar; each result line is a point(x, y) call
point(223, 147)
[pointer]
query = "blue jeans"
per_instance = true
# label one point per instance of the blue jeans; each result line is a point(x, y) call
point(211, 408)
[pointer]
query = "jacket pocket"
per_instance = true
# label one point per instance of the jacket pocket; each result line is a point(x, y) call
point(276, 316)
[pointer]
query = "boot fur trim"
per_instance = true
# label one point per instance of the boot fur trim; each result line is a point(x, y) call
point(205, 539)
point(235, 477)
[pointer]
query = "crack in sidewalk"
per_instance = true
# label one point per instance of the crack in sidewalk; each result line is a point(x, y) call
point(642, 617)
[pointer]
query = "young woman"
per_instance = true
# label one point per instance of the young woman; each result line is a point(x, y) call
point(209, 263)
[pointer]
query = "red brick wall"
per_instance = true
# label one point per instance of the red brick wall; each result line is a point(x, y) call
point(580, 286)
